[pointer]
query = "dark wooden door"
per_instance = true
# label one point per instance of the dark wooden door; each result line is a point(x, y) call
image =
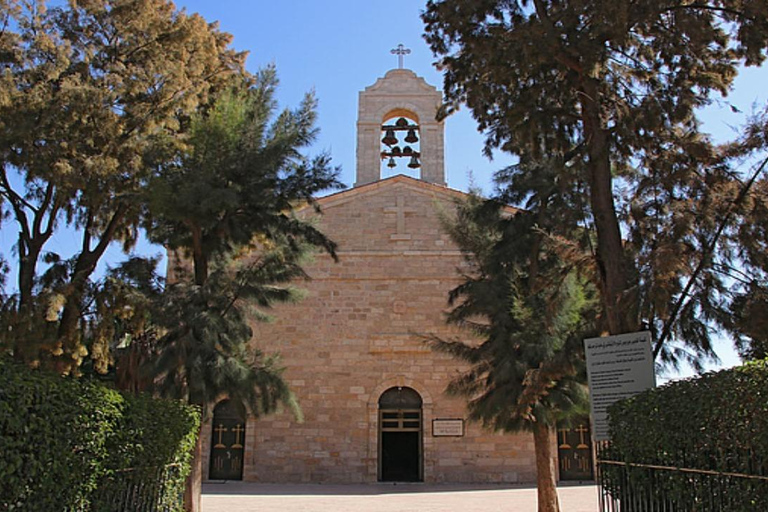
point(227, 444)
point(400, 445)
point(400, 436)
point(574, 451)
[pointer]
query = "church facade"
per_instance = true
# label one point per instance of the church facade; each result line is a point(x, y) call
point(371, 391)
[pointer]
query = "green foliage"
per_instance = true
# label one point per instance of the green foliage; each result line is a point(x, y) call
point(54, 436)
point(708, 422)
point(529, 312)
point(206, 351)
point(612, 88)
point(89, 93)
point(151, 448)
point(61, 440)
point(240, 177)
point(227, 204)
point(716, 422)
point(143, 441)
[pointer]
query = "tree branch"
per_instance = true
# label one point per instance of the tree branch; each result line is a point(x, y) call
point(40, 213)
point(706, 7)
point(708, 250)
point(17, 203)
point(541, 12)
point(109, 232)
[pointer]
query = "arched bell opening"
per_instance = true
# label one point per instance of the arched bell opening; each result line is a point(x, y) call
point(227, 441)
point(400, 436)
point(400, 144)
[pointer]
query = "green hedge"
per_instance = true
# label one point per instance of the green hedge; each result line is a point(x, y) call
point(69, 445)
point(151, 450)
point(716, 422)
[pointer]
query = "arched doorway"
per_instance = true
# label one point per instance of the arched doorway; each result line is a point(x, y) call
point(400, 436)
point(227, 441)
point(574, 450)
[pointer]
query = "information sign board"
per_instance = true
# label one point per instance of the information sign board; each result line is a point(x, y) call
point(447, 428)
point(617, 367)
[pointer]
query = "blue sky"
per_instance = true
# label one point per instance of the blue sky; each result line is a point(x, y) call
point(337, 48)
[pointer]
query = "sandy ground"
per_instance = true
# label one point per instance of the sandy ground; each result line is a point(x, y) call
point(250, 497)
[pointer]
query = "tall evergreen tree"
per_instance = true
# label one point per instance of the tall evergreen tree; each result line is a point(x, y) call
point(616, 85)
point(530, 310)
point(746, 317)
point(225, 205)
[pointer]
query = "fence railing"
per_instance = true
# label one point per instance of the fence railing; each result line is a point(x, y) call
point(157, 489)
point(632, 487)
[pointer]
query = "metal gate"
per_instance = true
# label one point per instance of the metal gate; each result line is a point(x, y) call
point(635, 487)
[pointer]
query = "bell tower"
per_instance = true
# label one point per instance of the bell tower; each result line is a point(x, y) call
point(396, 128)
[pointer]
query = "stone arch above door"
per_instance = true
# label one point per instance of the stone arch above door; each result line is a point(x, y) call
point(399, 381)
point(400, 435)
point(373, 418)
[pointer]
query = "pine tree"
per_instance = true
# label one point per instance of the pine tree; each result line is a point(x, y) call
point(615, 86)
point(225, 204)
point(529, 311)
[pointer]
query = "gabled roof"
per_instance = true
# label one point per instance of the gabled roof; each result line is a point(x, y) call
point(417, 185)
point(370, 188)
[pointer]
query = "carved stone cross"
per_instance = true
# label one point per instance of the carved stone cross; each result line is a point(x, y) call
point(400, 51)
point(400, 210)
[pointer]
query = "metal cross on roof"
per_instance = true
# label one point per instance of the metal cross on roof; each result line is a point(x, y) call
point(400, 51)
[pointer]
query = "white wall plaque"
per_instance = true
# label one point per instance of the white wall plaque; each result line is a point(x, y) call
point(617, 367)
point(447, 428)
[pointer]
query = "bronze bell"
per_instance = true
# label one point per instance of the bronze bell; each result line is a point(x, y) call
point(402, 122)
point(396, 151)
point(411, 137)
point(389, 138)
point(391, 163)
point(407, 150)
point(414, 163)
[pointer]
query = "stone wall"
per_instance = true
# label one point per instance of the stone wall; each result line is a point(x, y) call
point(358, 332)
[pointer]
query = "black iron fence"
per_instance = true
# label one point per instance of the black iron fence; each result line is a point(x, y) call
point(158, 489)
point(632, 487)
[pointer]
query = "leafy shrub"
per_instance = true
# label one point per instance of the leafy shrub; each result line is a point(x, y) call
point(151, 450)
point(53, 438)
point(717, 422)
point(73, 445)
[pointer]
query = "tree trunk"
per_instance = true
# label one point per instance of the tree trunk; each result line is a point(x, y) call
point(610, 250)
point(546, 477)
point(29, 254)
point(194, 487)
point(70, 316)
point(85, 265)
point(199, 259)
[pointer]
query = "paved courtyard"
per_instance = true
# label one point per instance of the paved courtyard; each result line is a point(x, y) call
point(250, 497)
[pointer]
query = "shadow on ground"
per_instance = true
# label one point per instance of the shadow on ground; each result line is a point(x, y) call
point(226, 487)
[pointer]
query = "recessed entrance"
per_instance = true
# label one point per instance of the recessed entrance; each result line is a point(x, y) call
point(400, 436)
point(227, 442)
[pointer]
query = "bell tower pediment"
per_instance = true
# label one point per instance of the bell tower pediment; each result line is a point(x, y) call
point(397, 128)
